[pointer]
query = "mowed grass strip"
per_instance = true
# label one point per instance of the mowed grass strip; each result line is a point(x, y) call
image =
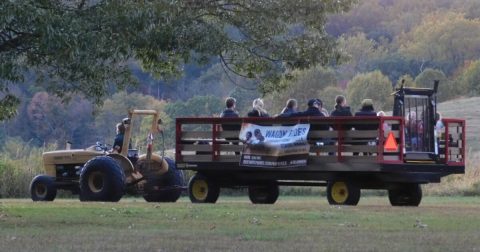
point(233, 224)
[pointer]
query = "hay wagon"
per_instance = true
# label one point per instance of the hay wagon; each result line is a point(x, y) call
point(345, 154)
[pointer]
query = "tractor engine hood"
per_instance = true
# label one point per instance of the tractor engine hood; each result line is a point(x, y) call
point(76, 156)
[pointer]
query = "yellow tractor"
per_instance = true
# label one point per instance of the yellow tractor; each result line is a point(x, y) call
point(97, 174)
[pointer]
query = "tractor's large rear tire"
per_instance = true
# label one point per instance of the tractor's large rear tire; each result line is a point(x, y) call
point(201, 189)
point(342, 193)
point(102, 179)
point(168, 187)
point(406, 195)
point(42, 188)
point(263, 194)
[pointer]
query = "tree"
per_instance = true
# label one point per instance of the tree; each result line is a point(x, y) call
point(77, 46)
point(406, 80)
point(304, 85)
point(469, 81)
point(244, 97)
point(116, 108)
point(446, 90)
point(198, 106)
point(428, 77)
point(360, 51)
point(50, 121)
point(328, 94)
point(446, 39)
point(365, 17)
point(395, 66)
point(373, 85)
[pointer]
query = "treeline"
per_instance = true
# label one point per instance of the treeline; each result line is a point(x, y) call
point(386, 42)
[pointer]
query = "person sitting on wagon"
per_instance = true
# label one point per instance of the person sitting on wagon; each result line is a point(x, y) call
point(367, 110)
point(341, 109)
point(386, 127)
point(258, 110)
point(230, 104)
point(439, 125)
point(313, 110)
point(413, 132)
point(440, 129)
point(230, 112)
point(290, 108)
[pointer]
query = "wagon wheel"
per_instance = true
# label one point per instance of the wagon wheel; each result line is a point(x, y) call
point(263, 194)
point(201, 189)
point(405, 195)
point(342, 193)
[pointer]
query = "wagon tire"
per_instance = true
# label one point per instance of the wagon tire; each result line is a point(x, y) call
point(202, 189)
point(343, 193)
point(263, 194)
point(406, 195)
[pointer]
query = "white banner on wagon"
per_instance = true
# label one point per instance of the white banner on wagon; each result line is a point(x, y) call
point(274, 146)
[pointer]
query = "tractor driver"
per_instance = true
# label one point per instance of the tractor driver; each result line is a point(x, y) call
point(118, 142)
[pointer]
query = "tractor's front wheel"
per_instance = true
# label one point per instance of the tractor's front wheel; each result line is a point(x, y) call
point(42, 188)
point(102, 179)
point(342, 193)
point(201, 189)
point(405, 195)
point(263, 194)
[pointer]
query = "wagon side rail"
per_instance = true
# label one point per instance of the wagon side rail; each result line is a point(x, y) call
point(349, 139)
point(451, 142)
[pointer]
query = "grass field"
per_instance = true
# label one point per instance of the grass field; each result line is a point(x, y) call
point(233, 224)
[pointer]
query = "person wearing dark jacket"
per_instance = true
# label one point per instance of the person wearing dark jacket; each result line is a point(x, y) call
point(229, 111)
point(290, 108)
point(258, 110)
point(118, 142)
point(313, 110)
point(341, 109)
point(366, 111)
